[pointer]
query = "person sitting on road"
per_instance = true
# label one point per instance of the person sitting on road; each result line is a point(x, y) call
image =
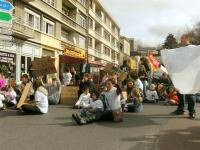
point(10, 94)
point(2, 98)
point(86, 81)
point(84, 99)
point(20, 88)
point(135, 104)
point(172, 96)
point(162, 92)
point(54, 90)
point(130, 88)
point(112, 101)
point(92, 113)
point(151, 94)
point(138, 82)
point(40, 104)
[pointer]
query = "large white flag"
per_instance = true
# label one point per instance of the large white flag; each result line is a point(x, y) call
point(183, 66)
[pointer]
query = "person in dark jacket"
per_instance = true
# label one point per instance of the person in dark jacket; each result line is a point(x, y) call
point(84, 68)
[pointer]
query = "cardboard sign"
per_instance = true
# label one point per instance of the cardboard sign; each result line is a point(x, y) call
point(24, 95)
point(108, 68)
point(43, 66)
point(122, 76)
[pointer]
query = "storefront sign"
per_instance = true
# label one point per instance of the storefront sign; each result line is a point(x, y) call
point(75, 53)
point(7, 57)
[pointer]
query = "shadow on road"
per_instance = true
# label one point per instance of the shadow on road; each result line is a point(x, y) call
point(184, 139)
point(137, 120)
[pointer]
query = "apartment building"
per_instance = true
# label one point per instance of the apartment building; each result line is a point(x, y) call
point(103, 35)
point(75, 28)
point(134, 46)
point(46, 28)
point(124, 49)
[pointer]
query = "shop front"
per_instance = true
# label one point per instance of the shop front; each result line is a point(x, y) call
point(17, 57)
point(8, 63)
point(72, 57)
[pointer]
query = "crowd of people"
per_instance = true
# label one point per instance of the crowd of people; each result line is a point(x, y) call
point(113, 96)
point(106, 101)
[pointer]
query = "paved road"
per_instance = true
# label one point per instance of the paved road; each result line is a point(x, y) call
point(154, 129)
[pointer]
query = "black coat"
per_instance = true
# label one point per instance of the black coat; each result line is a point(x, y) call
point(87, 69)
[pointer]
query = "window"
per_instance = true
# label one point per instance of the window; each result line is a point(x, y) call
point(107, 36)
point(66, 11)
point(90, 42)
point(51, 2)
point(91, 4)
point(32, 19)
point(91, 26)
point(48, 26)
point(81, 41)
point(106, 50)
point(46, 52)
point(83, 2)
point(82, 21)
point(64, 36)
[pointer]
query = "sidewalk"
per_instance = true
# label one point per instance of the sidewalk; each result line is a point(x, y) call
point(180, 133)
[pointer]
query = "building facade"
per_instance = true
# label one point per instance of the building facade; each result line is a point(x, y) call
point(103, 35)
point(124, 49)
point(55, 27)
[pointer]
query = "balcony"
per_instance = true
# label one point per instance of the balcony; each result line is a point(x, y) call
point(72, 23)
point(99, 18)
point(73, 2)
point(98, 36)
point(21, 30)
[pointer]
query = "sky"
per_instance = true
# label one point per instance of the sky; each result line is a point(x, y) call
point(150, 21)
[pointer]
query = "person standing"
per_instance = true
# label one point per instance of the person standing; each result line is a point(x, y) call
point(190, 97)
point(67, 76)
point(84, 68)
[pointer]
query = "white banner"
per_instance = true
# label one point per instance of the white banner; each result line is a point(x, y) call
point(183, 66)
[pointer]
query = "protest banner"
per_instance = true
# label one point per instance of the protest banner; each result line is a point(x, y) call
point(153, 60)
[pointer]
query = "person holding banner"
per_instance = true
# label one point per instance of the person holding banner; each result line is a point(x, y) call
point(190, 97)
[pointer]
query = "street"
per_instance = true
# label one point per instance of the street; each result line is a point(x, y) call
point(153, 129)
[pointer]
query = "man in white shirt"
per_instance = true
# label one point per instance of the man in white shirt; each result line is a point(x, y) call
point(190, 97)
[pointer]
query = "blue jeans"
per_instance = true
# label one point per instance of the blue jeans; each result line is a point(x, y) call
point(191, 103)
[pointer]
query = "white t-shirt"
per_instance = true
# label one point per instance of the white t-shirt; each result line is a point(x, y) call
point(139, 84)
point(11, 96)
point(84, 68)
point(151, 95)
point(67, 78)
point(2, 98)
point(112, 99)
point(98, 104)
point(42, 101)
point(84, 100)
